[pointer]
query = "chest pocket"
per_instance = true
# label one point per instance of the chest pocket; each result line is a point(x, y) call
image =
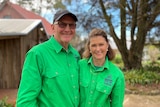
point(83, 90)
point(102, 88)
point(53, 79)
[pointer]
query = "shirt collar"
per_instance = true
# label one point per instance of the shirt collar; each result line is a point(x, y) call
point(105, 66)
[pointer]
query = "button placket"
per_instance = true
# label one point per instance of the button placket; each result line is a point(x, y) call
point(92, 88)
point(72, 78)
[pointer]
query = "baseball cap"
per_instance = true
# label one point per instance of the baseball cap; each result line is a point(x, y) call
point(59, 14)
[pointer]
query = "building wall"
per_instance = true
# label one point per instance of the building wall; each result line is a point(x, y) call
point(27, 42)
point(9, 11)
point(12, 56)
point(9, 63)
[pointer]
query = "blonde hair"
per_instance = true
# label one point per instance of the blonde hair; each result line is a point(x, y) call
point(98, 32)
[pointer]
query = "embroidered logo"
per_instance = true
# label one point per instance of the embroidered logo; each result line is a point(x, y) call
point(108, 80)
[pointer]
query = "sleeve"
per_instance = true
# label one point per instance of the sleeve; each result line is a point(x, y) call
point(31, 82)
point(118, 92)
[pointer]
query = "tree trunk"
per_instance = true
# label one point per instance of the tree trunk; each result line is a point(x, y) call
point(140, 17)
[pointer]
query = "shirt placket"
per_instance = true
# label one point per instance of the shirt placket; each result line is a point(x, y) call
point(92, 89)
point(73, 78)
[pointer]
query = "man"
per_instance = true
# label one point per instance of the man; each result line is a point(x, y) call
point(50, 71)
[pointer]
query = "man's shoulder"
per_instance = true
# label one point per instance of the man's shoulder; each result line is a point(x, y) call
point(39, 47)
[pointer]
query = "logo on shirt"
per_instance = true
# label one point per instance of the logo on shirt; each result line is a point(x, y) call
point(108, 80)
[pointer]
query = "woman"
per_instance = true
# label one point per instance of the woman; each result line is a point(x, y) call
point(102, 84)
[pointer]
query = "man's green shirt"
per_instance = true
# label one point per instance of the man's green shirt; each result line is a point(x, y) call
point(49, 77)
point(101, 86)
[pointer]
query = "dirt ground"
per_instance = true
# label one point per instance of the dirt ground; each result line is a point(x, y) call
point(131, 100)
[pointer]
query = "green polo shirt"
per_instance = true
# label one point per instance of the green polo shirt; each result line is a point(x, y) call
point(101, 86)
point(49, 77)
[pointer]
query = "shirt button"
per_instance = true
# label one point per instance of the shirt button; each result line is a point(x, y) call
point(104, 90)
point(56, 72)
point(74, 86)
point(72, 76)
point(89, 102)
point(91, 92)
point(93, 81)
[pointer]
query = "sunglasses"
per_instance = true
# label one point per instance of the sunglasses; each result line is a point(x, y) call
point(64, 25)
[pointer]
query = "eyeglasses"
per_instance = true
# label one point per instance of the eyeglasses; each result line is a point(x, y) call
point(64, 25)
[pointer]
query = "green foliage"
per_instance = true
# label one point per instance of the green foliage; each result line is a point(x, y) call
point(3, 103)
point(142, 77)
point(153, 67)
point(58, 4)
point(118, 60)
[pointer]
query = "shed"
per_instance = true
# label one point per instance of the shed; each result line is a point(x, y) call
point(17, 36)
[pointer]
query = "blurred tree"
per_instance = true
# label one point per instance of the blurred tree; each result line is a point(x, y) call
point(41, 4)
point(134, 18)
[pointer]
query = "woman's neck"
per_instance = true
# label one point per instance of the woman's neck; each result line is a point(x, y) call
point(98, 62)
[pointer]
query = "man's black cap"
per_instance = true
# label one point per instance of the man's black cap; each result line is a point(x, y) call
point(59, 14)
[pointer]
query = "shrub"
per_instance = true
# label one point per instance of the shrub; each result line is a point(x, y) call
point(154, 67)
point(3, 103)
point(142, 77)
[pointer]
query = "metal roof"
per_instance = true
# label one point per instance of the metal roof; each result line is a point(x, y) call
point(11, 27)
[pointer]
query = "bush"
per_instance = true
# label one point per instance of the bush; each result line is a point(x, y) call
point(3, 103)
point(142, 77)
point(154, 67)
